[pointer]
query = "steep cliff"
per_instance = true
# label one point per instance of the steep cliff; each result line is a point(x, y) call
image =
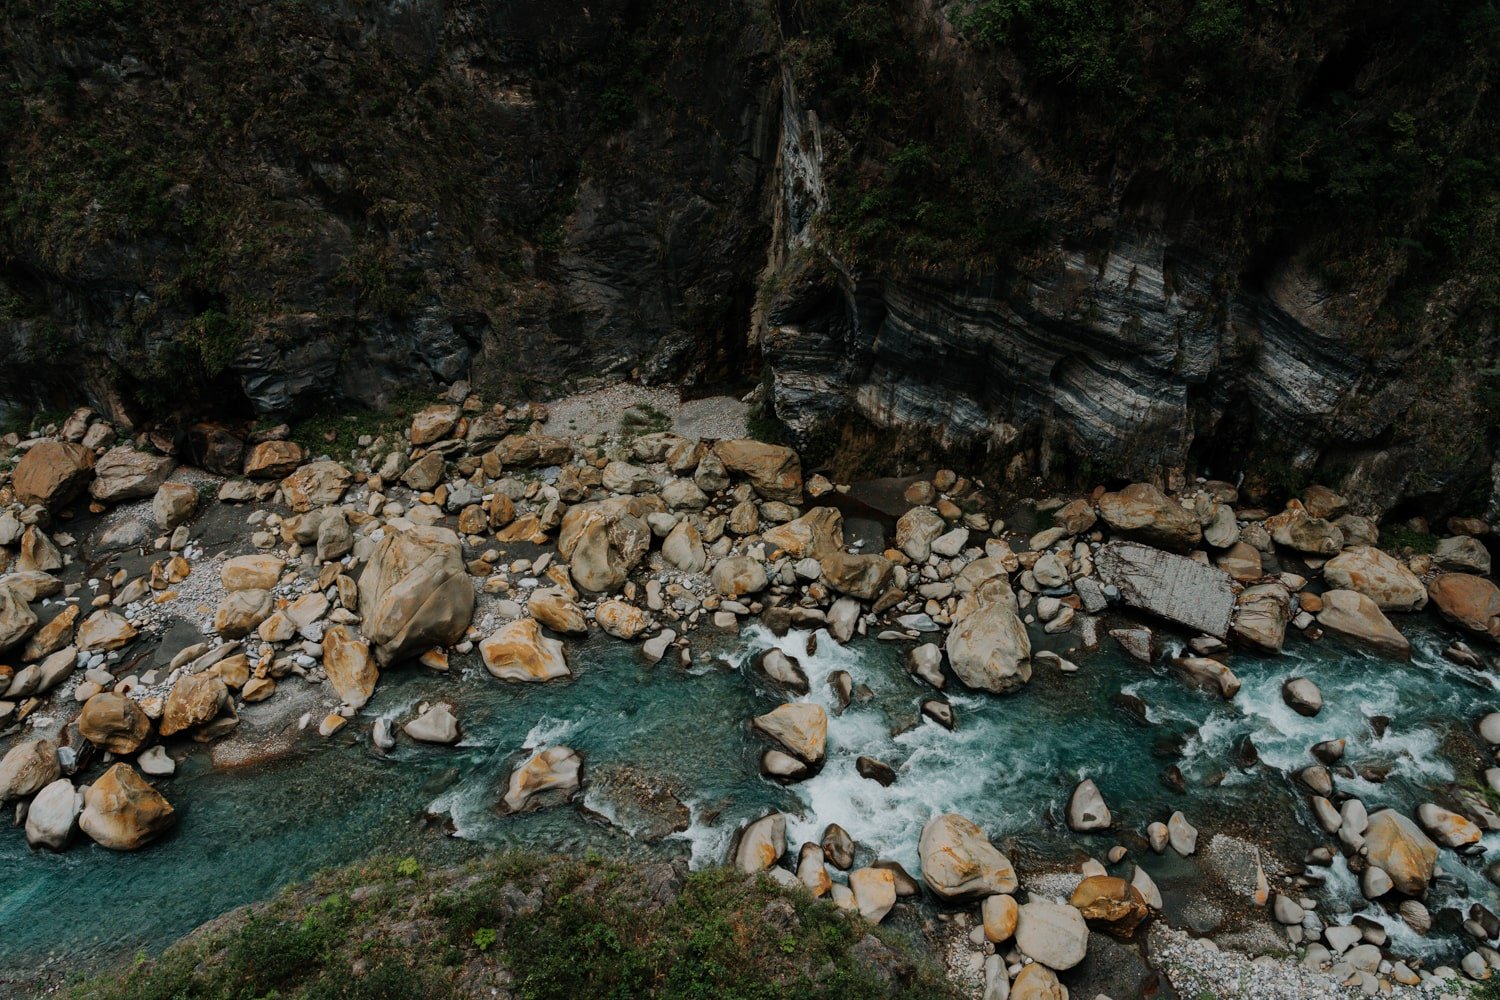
point(1136, 239)
point(1068, 238)
point(271, 203)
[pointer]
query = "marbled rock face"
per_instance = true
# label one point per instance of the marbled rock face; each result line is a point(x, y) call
point(1173, 587)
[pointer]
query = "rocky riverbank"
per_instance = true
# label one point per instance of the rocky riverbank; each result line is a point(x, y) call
point(152, 609)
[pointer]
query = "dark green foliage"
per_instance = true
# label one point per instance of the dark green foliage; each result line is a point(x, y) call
point(563, 929)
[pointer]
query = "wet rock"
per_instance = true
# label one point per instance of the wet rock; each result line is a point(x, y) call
point(837, 847)
point(1110, 904)
point(1172, 587)
point(415, 593)
point(550, 777)
point(1087, 810)
point(1446, 827)
point(114, 723)
point(52, 474)
point(799, 727)
point(1355, 616)
point(1380, 577)
point(1398, 846)
point(122, 812)
point(940, 711)
point(783, 670)
point(987, 645)
point(1208, 675)
point(519, 652)
point(926, 661)
point(875, 770)
point(1303, 696)
point(1053, 934)
point(959, 863)
point(760, 844)
point(437, 724)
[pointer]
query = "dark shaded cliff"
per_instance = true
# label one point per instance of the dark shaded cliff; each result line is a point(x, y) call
point(1067, 238)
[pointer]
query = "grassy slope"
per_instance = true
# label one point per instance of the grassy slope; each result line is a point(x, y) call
point(536, 927)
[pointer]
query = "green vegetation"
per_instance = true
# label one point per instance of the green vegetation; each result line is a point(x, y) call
point(1401, 540)
point(337, 431)
point(642, 419)
point(556, 929)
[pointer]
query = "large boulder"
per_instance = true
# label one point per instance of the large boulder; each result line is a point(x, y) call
point(253, 572)
point(621, 619)
point(550, 777)
point(736, 576)
point(759, 845)
point(52, 473)
point(864, 577)
point(1033, 982)
point(196, 699)
point(1087, 810)
point(174, 504)
point(1143, 512)
point(774, 471)
point(816, 533)
point(1054, 934)
point(1173, 587)
point(349, 665)
point(126, 474)
point(554, 610)
point(1397, 846)
point(1297, 529)
point(1381, 577)
point(17, 620)
point(27, 768)
point(1111, 904)
point(959, 863)
point(528, 450)
point(316, 484)
point(520, 652)
point(241, 612)
point(114, 722)
point(683, 547)
point(122, 812)
point(604, 540)
point(801, 727)
point(1355, 616)
point(916, 530)
point(415, 593)
point(1470, 601)
point(1462, 554)
point(1261, 614)
point(273, 459)
point(987, 645)
point(53, 815)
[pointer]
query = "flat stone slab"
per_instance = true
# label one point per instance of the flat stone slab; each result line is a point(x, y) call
point(1169, 586)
